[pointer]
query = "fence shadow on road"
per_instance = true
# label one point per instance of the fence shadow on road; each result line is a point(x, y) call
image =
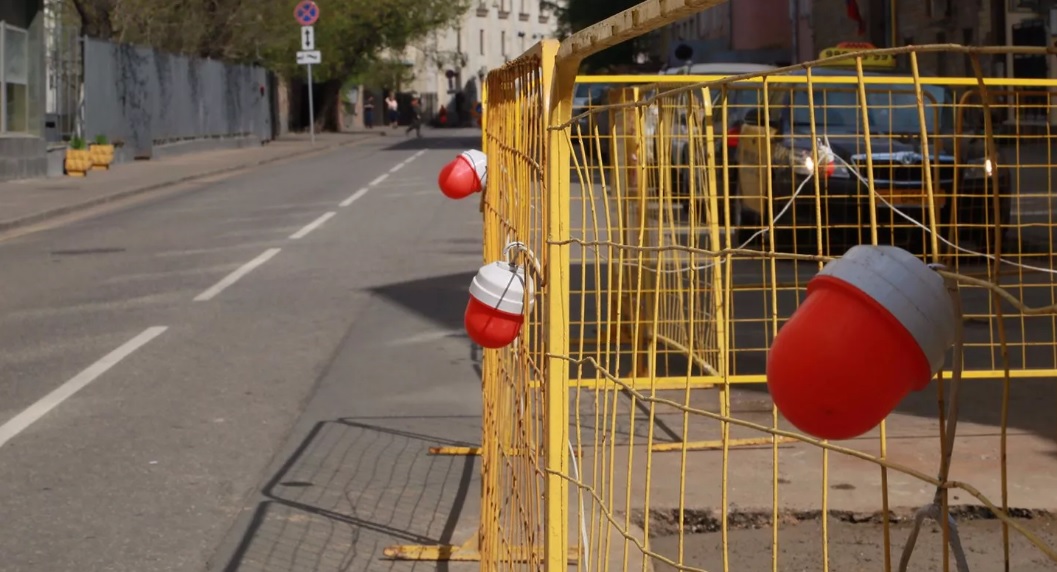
point(350, 489)
point(437, 140)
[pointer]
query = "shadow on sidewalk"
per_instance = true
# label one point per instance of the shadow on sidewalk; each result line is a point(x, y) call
point(352, 488)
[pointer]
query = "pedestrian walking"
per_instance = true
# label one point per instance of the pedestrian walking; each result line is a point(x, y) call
point(393, 109)
point(416, 118)
point(368, 112)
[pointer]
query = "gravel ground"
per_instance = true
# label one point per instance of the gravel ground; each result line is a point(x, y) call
point(859, 546)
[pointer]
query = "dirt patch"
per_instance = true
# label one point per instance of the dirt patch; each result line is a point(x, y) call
point(665, 522)
point(856, 542)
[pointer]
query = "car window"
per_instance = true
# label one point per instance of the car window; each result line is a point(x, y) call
point(891, 108)
point(590, 91)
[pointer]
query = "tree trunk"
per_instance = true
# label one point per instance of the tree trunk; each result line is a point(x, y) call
point(328, 117)
point(95, 18)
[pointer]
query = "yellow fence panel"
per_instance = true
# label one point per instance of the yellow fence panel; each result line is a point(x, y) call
point(700, 208)
point(671, 232)
point(514, 206)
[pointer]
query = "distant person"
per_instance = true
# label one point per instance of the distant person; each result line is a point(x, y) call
point(416, 118)
point(368, 112)
point(393, 109)
point(460, 108)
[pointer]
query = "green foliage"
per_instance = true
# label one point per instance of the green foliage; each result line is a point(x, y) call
point(101, 140)
point(77, 143)
point(576, 15)
point(352, 34)
point(384, 73)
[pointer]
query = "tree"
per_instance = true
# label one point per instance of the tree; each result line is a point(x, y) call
point(352, 34)
point(575, 15)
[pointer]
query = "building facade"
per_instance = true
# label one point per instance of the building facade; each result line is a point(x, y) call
point(452, 63)
point(23, 152)
point(761, 30)
point(889, 23)
point(757, 31)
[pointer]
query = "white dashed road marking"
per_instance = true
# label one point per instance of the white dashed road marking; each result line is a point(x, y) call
point(236, 275)
point(31, 415)
point(312, 226)
point(355, 197)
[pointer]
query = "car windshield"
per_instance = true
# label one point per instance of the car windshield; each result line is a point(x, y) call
point(891, 108)
point(589, 91)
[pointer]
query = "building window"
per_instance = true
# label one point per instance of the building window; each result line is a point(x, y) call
point(480, 41)
point(502, 42)
point(14, 79)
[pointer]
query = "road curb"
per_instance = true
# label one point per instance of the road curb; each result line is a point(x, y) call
point(42, 216)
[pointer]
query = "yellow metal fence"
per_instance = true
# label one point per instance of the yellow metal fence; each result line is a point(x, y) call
point(673, 231)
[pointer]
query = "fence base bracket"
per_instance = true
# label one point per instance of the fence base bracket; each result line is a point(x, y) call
point(717, 444)
point(467, 552)
point(456, 451)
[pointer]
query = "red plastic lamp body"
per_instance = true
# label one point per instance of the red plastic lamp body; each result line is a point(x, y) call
point(465, 175)
point(496, 310)
point(875, 325)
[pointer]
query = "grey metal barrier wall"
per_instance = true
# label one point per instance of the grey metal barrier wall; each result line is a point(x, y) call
point(148, 98)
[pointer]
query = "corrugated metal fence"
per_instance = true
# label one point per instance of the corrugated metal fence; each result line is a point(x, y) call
point(146, 98)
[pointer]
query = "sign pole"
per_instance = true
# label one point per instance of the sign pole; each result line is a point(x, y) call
point(307, 14)
point(311, 107)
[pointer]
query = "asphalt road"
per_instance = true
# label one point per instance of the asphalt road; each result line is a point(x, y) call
point(246, 374)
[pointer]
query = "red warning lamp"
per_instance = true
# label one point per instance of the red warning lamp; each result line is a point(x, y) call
point(496, 310)
point(465, 175)
point(875, 325)
point(733, 135)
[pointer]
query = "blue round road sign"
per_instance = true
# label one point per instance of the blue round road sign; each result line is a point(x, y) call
point(306, 12)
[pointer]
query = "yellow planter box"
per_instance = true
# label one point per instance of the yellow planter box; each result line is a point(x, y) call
point(102, 156)
point(78, 162)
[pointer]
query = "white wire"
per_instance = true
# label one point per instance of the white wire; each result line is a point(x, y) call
point(788, 205)
point(855, 172)
point(920, 225)
point(583, 518)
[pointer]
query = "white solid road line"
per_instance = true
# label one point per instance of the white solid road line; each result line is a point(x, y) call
point(397, 167)
point(379, 180)
point(236, 275)
point(312, 226)
point(20, 422)
point(355, 197)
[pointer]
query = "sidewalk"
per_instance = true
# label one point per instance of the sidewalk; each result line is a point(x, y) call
point(32, 201)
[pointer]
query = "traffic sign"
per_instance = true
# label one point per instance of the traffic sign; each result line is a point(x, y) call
point(306, 12)
point(311, 57)
point(308, 38)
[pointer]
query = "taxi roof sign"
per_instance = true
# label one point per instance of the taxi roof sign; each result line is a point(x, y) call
point(885, 61)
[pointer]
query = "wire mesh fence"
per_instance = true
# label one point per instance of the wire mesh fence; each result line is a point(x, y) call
point(676, 227)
